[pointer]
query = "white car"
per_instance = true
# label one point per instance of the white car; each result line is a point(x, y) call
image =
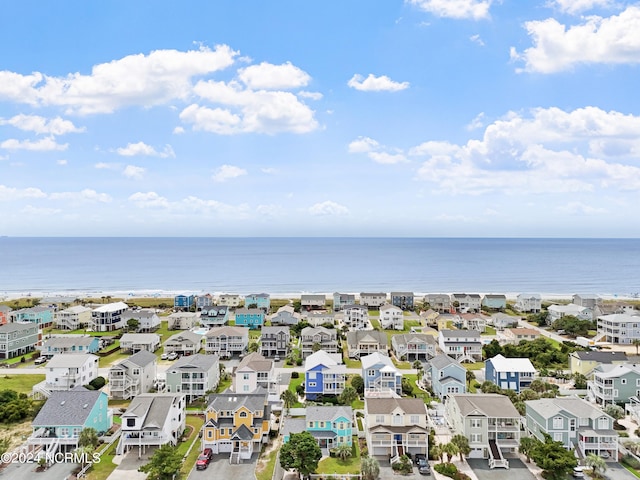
point(164, 356)
point(172, 356)
point(578, 472)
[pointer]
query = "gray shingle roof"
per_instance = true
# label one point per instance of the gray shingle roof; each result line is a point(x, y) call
point(492, 405)
point(353, 338)
point(16, 327)
point(327, 414)
point(198, 361)
point(601, 357)
point(63, 341)
point(68, 408)
point(188, 337)
point(153, 407)
point(388, 405)
point(461, 333)
point(142, 358)
point(230, 401)
point(442, 360)
point(70, 360)
point(255, 362)
point(548, 407)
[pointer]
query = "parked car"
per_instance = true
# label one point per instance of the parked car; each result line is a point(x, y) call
point(204, 459)
point(172, 356)
point(578, 472)
point(164, 356)
point(419, 456)
point(423, 468)
point(40, 360)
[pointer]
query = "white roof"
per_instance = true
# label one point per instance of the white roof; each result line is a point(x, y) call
point(502, 364)
point(374, 358)
point(69, 360)
point(111, 307)
point(321, 358)
point(568, 309)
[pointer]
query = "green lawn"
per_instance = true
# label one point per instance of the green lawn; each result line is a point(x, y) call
point(292, 386)
point(195, 421)
point(19, 383)
point(102, 470)
point(489, 331)
point(416, 392)
point(223, 385)
point(375, 323)
point(266, 472)
point(330, 466)
point(473, 366)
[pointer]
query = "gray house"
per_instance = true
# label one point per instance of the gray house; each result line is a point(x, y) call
point(17, 339)
point(614, 384)
point(313, 302)
point(134, 342)
point(274, 341)
point(373, 299)
point(364, 342)
point(184, 343)
point(133, 376)
point(342, 299)
point(448, 376)
point(285, 316)
point(314, 338)
point(440, 302)
point(414, 346)
point(194, 375)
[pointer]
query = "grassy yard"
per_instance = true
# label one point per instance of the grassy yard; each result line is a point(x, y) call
point(19, 383)
point(196, 422)
point(330, 466)
point(267, 461)
point(489, 331)
point(223, 385)
point(292, 386)
point(375, 323)
point(473, 366)
point(102, 470)
point(152, 302)
point(415, 391)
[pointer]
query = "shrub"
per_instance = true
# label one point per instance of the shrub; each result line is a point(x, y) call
point(98, 382)
point(298, 361)
point(404, 466)
point(446, 469)
point(295, 375)
point(631, 461)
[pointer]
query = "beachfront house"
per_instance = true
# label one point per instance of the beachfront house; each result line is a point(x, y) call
point(313, 302)
point(494, 301)
point(575, 423)
point(152, 420)
point(184, 301)
point(391, 317)
point(231, 300)
point(183, 320)
point(402, 300)
point(253, 372)
point(324, 374)
point(194, 376)
point(274, 341)
point(440, 302)
point(286, 315)
point(183, 343)
point(588, 300)
point(396, 426)
point(237, 424)
point(227, 341)
point(373, 299)
point(528, 303)
point(621, 328)
point(430, 317)
point(463, 345)
point(57, 426)
point(258, 300)
point(340, 300)
point(585, 362)
point(318, 338)
point(490, 422)
point(381, 377)
point(318, 318)
point(69, 344)
point(67, 371)
point(249, 317)
point(414, 346)
point(135, 342)
point(356, 317)
point(364, 342)
point(214, 316)
point(18, 338)
point(516, 335)
point(203, 301)
point(108, 317)
point(510, 373)
point(466, 302)
point(38, 315)
point(133, 375)
point(147, 318)
point(73, 318)
point(614, 384)
point(447, 376)
point(331, 426)
point(556, 312)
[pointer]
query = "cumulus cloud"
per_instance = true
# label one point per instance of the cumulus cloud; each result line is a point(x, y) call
point(376, 84)
point(86, 195)
point(41, 125)
point(328, 208)
point(227, 172)
point(310, 95)
point(134, 80)
point(472, 9)
point(149, 200)
point(268, 76)
point(548, 151)
point(62, 162)
point(363, 145)
point(188, 205)
point(376, 152)
point(477, 40)
point(577, 6)
point(106, 166)
point(579, 208)
point(178, 130)
point(11, 193)
point(141, 148)
point(131, 171)
point(477, 122)
point(598, 40)
point(386, 158)
point(46, 144)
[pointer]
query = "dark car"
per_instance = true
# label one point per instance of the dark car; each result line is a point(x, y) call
point(423, 468)
point(204, 459)
point(418, 457)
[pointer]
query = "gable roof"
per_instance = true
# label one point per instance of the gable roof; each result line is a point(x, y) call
point(186, 336)
point(140, 338)
point(141, 359)
point(409, 337)
point(70, 360)
point(600, 357)
point(443, 360)
point(111, 307)
point(328, 413)
point(472, 334)
point(256, 362)
point(275, 330)
point(321, 358)
point(387, 405)
point(198, 361)
point(502, 364)
point(548, 407)
point(17, 327)
point(358, 336)
point(375, 358)
point(228, 331)
point(231, 401)
point(68, 408)
point(489, 404)
point(153, 408)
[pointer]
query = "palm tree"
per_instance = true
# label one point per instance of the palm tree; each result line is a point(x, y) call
point(348, 395)
point(597, 464)
point(451, 449)
point(370, 468)
point(636, 343)
point(438, 452)
point(343, 451)
point(289, 399)
point(462, 443)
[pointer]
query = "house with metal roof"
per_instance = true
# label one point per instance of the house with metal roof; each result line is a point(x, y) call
point(380, 375)
point(331, 426)
point(324, 375)
point(107, 318)
point(133, 375)
point(510, 373)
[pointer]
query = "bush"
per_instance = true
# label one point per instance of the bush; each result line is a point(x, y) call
point(623, 434)
point(404, 466)
point(298, 361)
point(446, 469)
point(631, 461)
point(98, 382)
point(300, 389)
point(295, 375)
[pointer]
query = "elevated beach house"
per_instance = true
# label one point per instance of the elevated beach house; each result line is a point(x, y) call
point(391, 317)
point(313, 302)
point(147, 318)
point(108, 317)
point(73, 318)
point(194, 376)
point(232, 300)
point(18, 338)
point(183, 320)
point(342, 299)
point(463, 345)
point(331, 426)
point(249, 317)
point(510, 373)
point(286, 315)
point(184, 301)
point(414, 346)
point(381, 377)
point(528, 303)
point(274, 341)
point(402, 300)
point(258, 300)
point(227, 341)
point(253, 372)
point(133, 375)
point(183, 343)
point(214, 316)
point(318, 338)
point(373, 299)
point(324, 374)
point(67, 371)
point(556, 312)
point(38, 315)
point(466, 302)
point(614, 384)
point(494, 301)
point(69, 343)
point(135, 342)
point(447, 376)
point(440, 302)
point(364, 342)
point(585, 362)
point(621, 328)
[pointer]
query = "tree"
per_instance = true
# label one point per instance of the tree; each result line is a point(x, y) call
point(471, 377)
point(579, 381)
point(437, 452)
point(289, 399)
point(462, 443)
point(370, 468)
point(88, 438)
point(596, 463)
point(316, 346)
point(527, 445)
point(133, 324)
point(164, 464)
point(616, 412)
point(348, 395)
point(636, 343)
point(343, 451)
point(253, 347)
point(555, 460)
point(492, 349)
point(301, 453)
point(357, 382)
point(538, 386)
point(451, 449)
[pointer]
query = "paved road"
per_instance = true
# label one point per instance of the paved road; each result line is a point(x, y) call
point(26, 471)
point(222, 469)
point(546, 333)
point(516, 471)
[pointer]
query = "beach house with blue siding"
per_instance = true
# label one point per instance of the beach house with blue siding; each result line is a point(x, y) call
point(510, 373)
point(259, 300)
point(324, 374)
point(448, 376)
point(249, 317)
point(381, 377)
point(494, 302)
point(70, 344)
point(41, 316)
point(183, 301)
point(330, 426)
point(65, 414)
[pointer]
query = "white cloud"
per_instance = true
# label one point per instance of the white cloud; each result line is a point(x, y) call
point(62, 162)
point(579, 208)
point(269, 170)
point(386, 158)
point(141, 148)
point(42, 125)
point(227, 172)
point(577, 6)
point(376, 84)
point(310, 95)
point(473, 9)
point(199, 205)
point(11, 193)
point(106, 166)
point(178, 130)
point(215, 120)
point(363, 145)
point(149, 200)
point(39, 211)
point(143, 80)
point(131, 171)
point(477, 122)
point(477, 39)
point(86, 195)
point(268, 76)
point(269, 210)
point(46, 144)
point(610, 40)
point(328, 208)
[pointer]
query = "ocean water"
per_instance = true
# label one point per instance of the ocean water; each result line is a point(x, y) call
point(295, 265)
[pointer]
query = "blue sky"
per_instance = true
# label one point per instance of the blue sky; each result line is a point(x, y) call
point(344, 118)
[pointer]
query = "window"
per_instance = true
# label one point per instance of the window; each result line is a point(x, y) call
point(131, 422)
point(557, 422)
point(476, 423)
point(245, 376)
point(312, 384)
point(372, 373)
point(379, 418)
point(603, 423)
point(321, 424)
point(397, 419)
point(623, 381)
point(310, 424)
point(415, 419)
point(243, 414)
point(557, 437)
point(476, 438)
point(572, 424)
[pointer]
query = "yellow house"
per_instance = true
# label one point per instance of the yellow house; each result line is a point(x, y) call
point(585, 361)
point(237, 424)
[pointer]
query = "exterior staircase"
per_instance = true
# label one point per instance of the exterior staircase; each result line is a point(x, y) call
point(495, 456)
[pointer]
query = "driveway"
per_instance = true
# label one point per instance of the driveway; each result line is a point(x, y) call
point(615, 471)
point(387, 473)
point(129, 463)
point(26, 471)
point(222, 469)
point(517, 470)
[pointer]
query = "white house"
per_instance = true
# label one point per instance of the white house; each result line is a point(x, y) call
point(133, 375)
point(556, 312)
point(528, 303)
point(107, 318)
point(73, 318)
point(254, 371)
point(66, 371)
point(391, 317)
point(135, 342)
point(148, 319)
point(463, 345)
